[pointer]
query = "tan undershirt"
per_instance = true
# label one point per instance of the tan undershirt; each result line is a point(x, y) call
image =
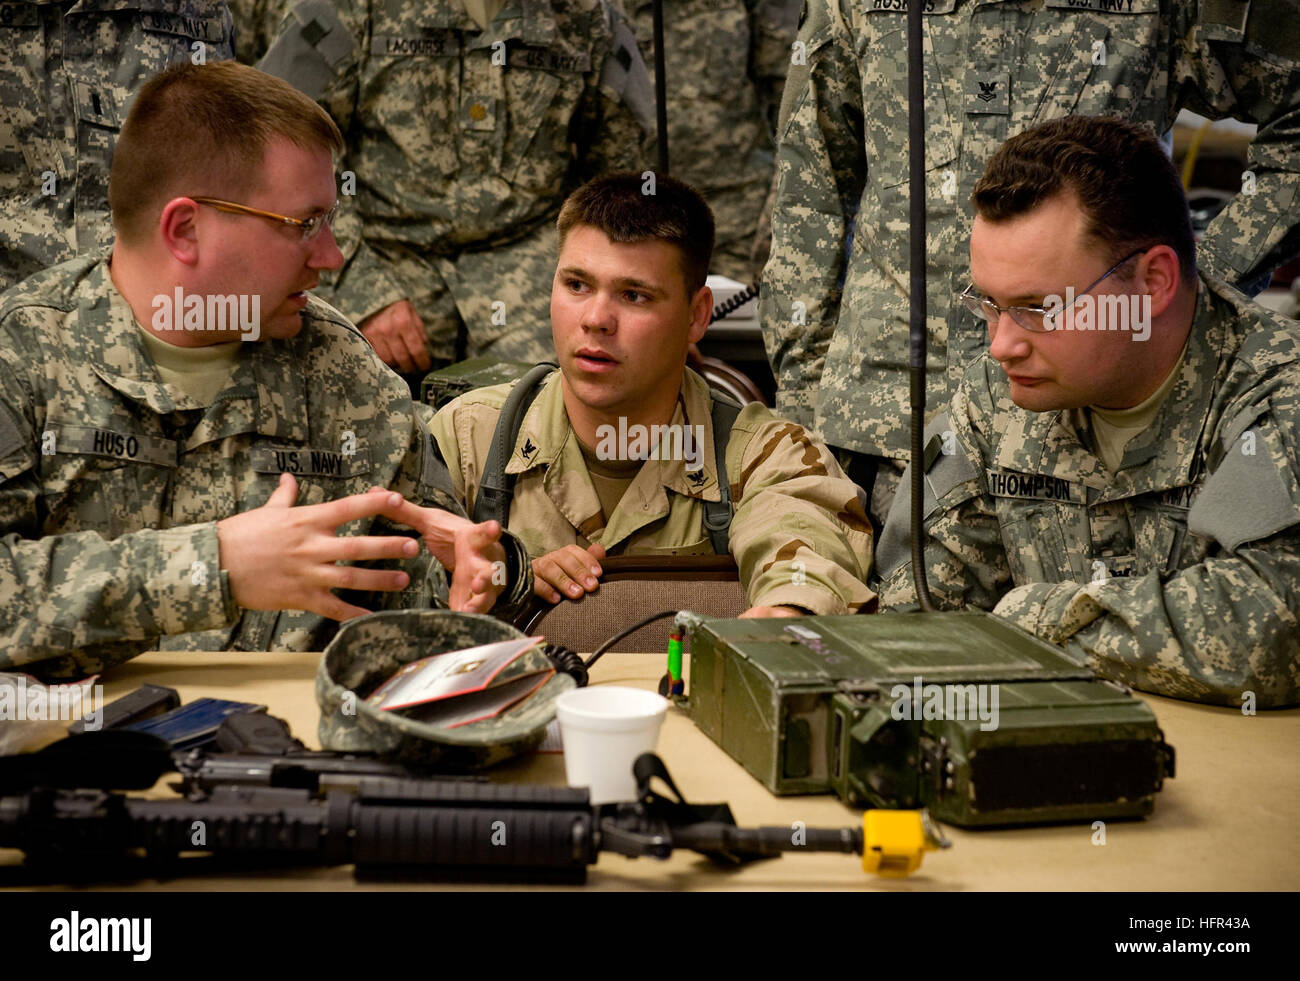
point(199, 372)
point(484, 12)
point(1113, 429)
point(611, 478)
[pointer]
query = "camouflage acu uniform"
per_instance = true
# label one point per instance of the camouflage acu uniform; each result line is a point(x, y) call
point(460, 141)
point(1180, 573)
point(835, 324)
point(68, 72)
point(726, 62)
point(111, 481)
point(256, 24)
point(371, 649)
point(799, 532)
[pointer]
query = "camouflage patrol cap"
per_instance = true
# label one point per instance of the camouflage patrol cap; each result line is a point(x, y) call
point(368, 650)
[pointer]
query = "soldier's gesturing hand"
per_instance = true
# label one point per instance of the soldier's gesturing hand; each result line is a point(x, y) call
point(281, 557)
point(397, 335)
point(571, 570)
point(471, 552)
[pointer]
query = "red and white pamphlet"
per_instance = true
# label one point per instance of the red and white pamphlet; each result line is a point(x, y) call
point(455, 688)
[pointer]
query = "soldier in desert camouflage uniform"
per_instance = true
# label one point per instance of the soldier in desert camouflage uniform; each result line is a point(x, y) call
point(461, 138)
point(836, 326)
point(628, 296)
point(144, 498)
point(1136, 501)
point(725, 65)
point(68, 71)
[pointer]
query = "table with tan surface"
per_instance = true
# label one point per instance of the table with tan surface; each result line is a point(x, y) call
point(1226, 822)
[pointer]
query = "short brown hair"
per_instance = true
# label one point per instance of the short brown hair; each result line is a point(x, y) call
point(204, 130)
point(1128, 186)
point(620, 206)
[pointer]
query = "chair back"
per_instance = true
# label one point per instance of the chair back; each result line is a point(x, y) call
point(634, 587)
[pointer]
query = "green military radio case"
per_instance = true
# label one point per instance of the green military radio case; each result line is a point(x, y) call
point(961, 713)
point(441, 386)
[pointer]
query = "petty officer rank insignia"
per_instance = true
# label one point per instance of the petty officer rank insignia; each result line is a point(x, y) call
point(988, 93)
point(1033, 486)
point(310, 462)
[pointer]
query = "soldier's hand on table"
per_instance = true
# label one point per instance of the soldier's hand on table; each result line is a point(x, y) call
point(397, 335)
point(570, 571)
point(773, 611)
point(281, 557)
point(471, 552)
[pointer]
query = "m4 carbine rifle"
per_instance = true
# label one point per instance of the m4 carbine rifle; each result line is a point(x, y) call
point(437, 827)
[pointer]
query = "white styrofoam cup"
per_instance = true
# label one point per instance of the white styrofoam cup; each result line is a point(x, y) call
point(604, 729)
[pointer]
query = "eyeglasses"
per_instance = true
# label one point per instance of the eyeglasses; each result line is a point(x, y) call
point(311, 227)
point(1030, 318)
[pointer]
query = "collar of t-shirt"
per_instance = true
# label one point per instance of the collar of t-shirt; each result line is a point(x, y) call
point(199, 372)
point(484, 12)
point(1113, 429)
point(610, 478)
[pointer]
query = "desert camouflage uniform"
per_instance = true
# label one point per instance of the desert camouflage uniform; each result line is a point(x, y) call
point(1180, 573)
point(799, 532)
point(836, 326)
point(111, 481)
point(726, 62)
point(461, 163)
point(68, 72)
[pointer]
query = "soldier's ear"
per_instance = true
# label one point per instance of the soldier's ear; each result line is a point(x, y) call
point(1159, 274)
point(178, 228)
point(701, 313)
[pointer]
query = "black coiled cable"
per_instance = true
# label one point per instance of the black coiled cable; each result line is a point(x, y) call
point(567, 661)
point(727, 307)
point(571, 663)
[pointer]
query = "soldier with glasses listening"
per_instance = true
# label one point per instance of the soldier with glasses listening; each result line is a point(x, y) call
point(1119, 473)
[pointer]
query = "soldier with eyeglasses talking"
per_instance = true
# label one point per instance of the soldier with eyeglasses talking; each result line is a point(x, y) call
point(195, 452)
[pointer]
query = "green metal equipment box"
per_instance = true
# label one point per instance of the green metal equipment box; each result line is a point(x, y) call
point(444, 384)
point(962, 713)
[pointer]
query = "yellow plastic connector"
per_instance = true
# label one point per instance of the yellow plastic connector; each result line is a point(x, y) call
point(894, 842)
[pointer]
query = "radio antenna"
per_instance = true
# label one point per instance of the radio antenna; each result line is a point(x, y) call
point(917, 330)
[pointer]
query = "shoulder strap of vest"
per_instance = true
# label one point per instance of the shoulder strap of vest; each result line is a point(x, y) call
point(496, 489)
point(717, 514)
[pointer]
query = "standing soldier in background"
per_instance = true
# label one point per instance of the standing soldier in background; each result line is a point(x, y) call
point(726, 61)
point(68, 72)
point(835, 319)
point(466, 123)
